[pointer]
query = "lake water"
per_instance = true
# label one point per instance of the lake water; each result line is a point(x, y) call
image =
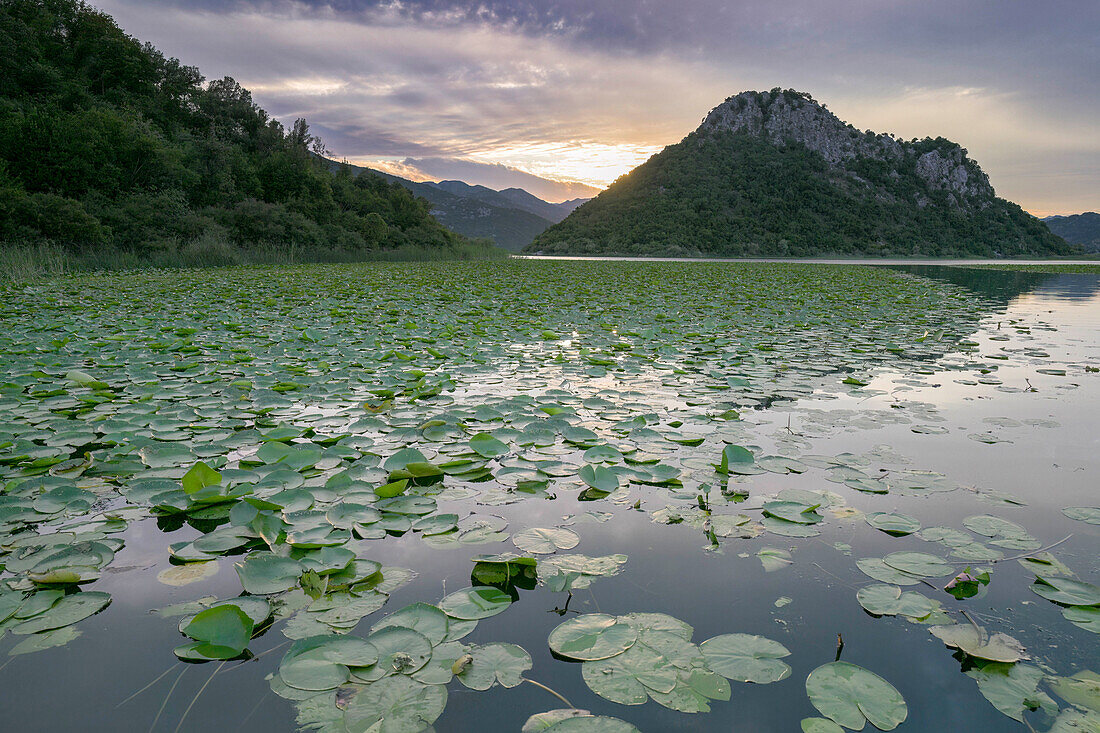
point(838, 377)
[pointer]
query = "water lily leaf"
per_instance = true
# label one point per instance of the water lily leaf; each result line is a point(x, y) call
point(1012, 688)
point(1084, 617)
point(793, 511)
point(875, 568)
point(889, 600)
point(850, 695)
point(400, 651)
point(918, 563)
point(265, 573)
point(734, 455)
point(199, 477)
point(66, 611)
point(495, 663)
point(618, 678)
point(224, 631)
point(307, 666)
point(475, 603)
point(543, 721)
point(820, 725)
point(599, 477)
point(746, 658)
point(976, 642)
point(397, 704)
point(435, 524)
point(486, 446)
point(773, 559)
point(1090, 514)
point(1066, 591)
point(576, 721)
point(898, 525)
point(423, 618)
point(1082, 689)
point(591, 637)
point(542, 540)
point(45, 640)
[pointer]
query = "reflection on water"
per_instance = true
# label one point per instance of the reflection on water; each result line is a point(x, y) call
point(979, 418)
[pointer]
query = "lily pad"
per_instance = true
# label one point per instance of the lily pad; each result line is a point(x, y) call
point(850, 695)
point(475, 603)
point(592, 636)
point(746, 658)
point(976, 642)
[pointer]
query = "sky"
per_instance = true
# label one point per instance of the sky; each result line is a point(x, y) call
point(563, 96)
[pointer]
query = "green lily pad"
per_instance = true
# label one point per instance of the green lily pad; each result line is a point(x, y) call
point(898, 525)
point(746, 658)
point(495, 663)
point(850, 695)
point(976, 642)
point(397, 704)
point(542, 540)
point(599, 477)
point(1066, 591)
point(475, 603)
point(592, 636)
point(918, 563)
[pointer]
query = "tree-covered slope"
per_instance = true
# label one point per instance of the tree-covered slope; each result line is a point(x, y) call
point(105, 144)
point(774, 173)
point(1082, 229)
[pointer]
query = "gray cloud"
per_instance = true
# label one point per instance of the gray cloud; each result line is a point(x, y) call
point(499, 176)
point(498, 81)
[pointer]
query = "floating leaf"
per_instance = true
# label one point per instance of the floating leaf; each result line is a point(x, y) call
point(746, 658)
point(773, 559)
point(475, 603)
point(495, 663)
point(487, 446)
point(918, 563)
point(542, 540)
point(1090, 514)
point(1012, 688)
point(976, 642)
point(849, 695)
point(222, 632)
point(592, 636)
point(889, 600)
point(898, 525)
point(1066, 591)
point(397, 704)
point(599, 477)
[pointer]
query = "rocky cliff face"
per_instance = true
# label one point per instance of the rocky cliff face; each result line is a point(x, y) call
point(784, 117)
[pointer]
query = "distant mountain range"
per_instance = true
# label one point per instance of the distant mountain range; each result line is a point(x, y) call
point(777, 174)
point(1082, 229)
point(512, 217)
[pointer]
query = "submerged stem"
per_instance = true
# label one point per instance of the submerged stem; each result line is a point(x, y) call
point(165, 703)
point(143, 689)
point(1033, 552)
point(196, 697)
point(555, 694)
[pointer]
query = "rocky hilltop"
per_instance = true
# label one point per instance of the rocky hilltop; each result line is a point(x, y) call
point(776, 173)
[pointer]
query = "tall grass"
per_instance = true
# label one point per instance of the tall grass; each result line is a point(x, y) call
point(22, 263)
point(28, 262)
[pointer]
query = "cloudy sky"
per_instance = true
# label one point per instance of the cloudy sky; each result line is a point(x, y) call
point(504, 92)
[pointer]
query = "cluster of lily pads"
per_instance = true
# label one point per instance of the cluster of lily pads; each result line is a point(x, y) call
point(291, 419)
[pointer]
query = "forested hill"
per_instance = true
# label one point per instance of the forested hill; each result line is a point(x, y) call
point(775, 173)
point(106, 144)
point(1082, 229)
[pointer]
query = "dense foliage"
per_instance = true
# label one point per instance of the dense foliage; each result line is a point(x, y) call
point(731, 194)
point(1082, 229)
point(106, 144)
